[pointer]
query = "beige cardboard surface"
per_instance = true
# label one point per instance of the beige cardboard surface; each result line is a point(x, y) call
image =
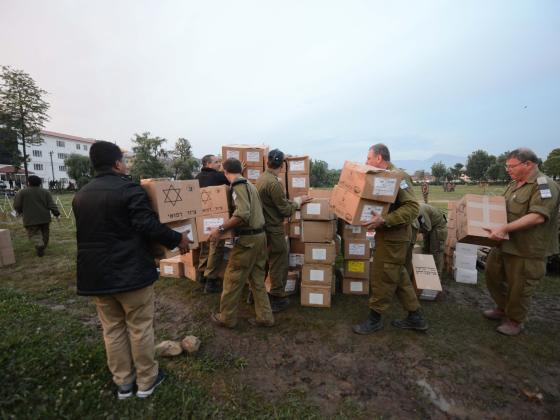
point(425, 275)
point(349, 231)
point(251, 155)
point(173, 200)
point(315, 296)
point(317, 209)
point(214, 200)
point(317, 230)
point(320, 193)
point(353, 209)
point(319, 253)
point(474, 212)
point(370, 182)
point(297, 164)
point(171, 267)
point(205, 224)
point(352, 286)
point(356, 249)
point(298, 185)
point(321, 274)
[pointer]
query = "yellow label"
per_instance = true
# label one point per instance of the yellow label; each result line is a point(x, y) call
point(356, 266)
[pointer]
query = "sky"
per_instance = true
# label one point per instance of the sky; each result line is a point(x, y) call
point(322, 78)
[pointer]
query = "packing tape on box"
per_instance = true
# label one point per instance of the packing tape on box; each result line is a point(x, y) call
point(486, 207)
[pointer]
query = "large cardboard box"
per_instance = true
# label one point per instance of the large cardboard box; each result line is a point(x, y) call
point(465, 261)
point(173, 200)
point(475, 212)
point(298, 185)
point(171, 267)
point(7, 255)
point(189, 266)
point(352, 286)
point(298, 164)
point(320, 193)
point(316, 296)
point(292, 283)
point(182, 226)
point(353, 209)
point(321, 274)
point(251, 155)
point(319, 253)
point(297, 253)
point(356, 269)
point(357, 249)
point(370, 182)
point(205, 224)
point(252, 173)
point(425, 276)
point(214, 200)
point(349, 232)
point(317, 209)
point(5, 238)
point(466, 249)
point(295, 230)
point(318, 231)
point(465, 276)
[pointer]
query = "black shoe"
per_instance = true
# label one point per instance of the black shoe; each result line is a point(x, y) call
point(125, 391)
point(200, 278)
point(159, 379)
point(212, 286)
point(278, 303)
point(369, 326)
point(40, 251)
point(413, 321)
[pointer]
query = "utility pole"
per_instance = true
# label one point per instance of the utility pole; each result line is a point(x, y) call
point(52, 167)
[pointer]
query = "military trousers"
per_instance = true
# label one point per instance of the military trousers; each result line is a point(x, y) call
point(277, 262)
point(246, 263)
point(434, 243)
point(38, 235)
point(512, 280)
point(210, 258)
point(389, 277)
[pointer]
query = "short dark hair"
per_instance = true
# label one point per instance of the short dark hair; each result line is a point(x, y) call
point(275, 159)
point(382, 150)
point(34, 181)
point(233, 166)
point(104, 154)
point(523, 154)
point(206, 159)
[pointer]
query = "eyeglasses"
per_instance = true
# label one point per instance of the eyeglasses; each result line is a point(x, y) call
point(508, 167)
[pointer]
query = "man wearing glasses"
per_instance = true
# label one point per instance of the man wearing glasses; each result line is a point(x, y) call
point(515, 267)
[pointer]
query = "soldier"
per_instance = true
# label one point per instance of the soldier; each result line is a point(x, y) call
point(211, 254)
point(276, 207)
point(432, 224)
point(425, 191)
point(515, 266)
point(392, 239)
point(247, 260)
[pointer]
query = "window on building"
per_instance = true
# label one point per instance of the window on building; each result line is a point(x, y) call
point(38, 166)
point(84, 146)
point(62, 155)
point(37, 153)
point(78, 146)
point(62, 168)
point(60, 143)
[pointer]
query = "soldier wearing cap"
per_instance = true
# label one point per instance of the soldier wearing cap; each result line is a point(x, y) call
point(247, 259)
point(515, 267)
point(392, 238)
point(276, 207)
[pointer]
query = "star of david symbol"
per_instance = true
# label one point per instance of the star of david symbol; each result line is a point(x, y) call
point(172, 195)
point(205, 197)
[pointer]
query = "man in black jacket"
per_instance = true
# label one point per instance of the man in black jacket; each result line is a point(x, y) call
point(211, 254)
point(115, 226)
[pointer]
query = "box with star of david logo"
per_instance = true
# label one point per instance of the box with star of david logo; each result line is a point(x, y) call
point(173, 200)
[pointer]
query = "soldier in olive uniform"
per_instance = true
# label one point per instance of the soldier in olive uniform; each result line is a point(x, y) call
point(432, 224)
point(247, 259)
point(276, 207)
point(515, 267)
point(392, 239)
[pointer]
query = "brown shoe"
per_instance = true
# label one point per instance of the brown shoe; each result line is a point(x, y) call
point(218, 322)
point(510, 328)
point(255, 323)
point(495, 314)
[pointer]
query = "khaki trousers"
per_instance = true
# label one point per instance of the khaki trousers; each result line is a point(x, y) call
point(38, 235)
point(277, 262)
point(128, 330)
point(210, 259)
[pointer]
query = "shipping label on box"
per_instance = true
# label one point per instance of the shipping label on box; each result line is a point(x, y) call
point(172, 267)
point(292, 283)
point(318, 209)
point(298, 164)
point(349, 232)
point(295, 260)
point(318, 230)
point(356, 269)
point(370, 182)
point(298, 185)
point(353, 209)
point(214, 200)
point(356, 249)
point(320, 253)
point(475, 212)
point(317, 296)
point(252, 174)
point(317, 273)
point(205, 224)
point(355, 286)
point(425, 276)
point(295, 230)
point(173, 200)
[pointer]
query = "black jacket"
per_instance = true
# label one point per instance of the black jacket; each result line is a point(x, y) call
point(115, 225)
point(209, 177)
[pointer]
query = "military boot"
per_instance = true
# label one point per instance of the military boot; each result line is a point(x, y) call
point(373, 323)
point(212, 286)
point(413, 321)
point(278, 303)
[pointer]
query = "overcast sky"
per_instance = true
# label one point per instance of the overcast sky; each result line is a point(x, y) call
point(324, 78)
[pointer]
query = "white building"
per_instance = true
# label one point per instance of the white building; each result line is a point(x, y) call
point(46, 160)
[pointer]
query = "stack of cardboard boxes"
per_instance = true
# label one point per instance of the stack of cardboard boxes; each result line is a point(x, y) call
point(297, 176)
point(464, 263)
point(253, 157)
point(7, 256)
point(451, 235)
point(357, 259)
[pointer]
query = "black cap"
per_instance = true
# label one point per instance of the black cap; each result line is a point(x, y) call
point(276, 156)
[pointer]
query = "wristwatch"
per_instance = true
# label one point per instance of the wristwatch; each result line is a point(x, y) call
point(221, 229)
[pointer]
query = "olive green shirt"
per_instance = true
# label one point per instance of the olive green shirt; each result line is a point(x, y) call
point(276, 207)
point(247, 205)
point(431, 218)
point(541, 240)
point(36, 204)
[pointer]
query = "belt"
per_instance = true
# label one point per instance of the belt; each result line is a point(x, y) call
point(249, 232)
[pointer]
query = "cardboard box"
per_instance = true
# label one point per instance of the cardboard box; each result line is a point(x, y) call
point(466, 261)
point(298, 185)
point(297, 164)
point(7, 257)
point(352, 286)
point(252, 174)
point(466, 249)
point(214, 200)
point(370, 182)
point(205, 224)
point(465, 276)
point(182, 226)
point(296, 216)
point(350, 232)
point(171, 267)
point(5, 239)
point(315, 296)
point(321, 274)
point(173, 200)
point(318, 209)
point(318, 231)
point(295, 230)
point(357, 249)
point(292, 283)
point(356, 269)
point(295, 260)
point(477, 211)
point(251, 155)
point(319, 253)
point(353, 209)
point(189, 266)
point(320, 193)
point(297, 246)
point(425, 276)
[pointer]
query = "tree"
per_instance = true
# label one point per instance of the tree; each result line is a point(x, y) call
point(79, 168)
point(183, 162)
point(148, 156)
point(321, 176)
point(21, 100)
point(420, 175)
point(478, 163)
point(455, 171)
point(439, 170)
point(9, 152)
point(551, 165)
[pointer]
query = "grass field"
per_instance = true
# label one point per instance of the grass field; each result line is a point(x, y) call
point(309, 366)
